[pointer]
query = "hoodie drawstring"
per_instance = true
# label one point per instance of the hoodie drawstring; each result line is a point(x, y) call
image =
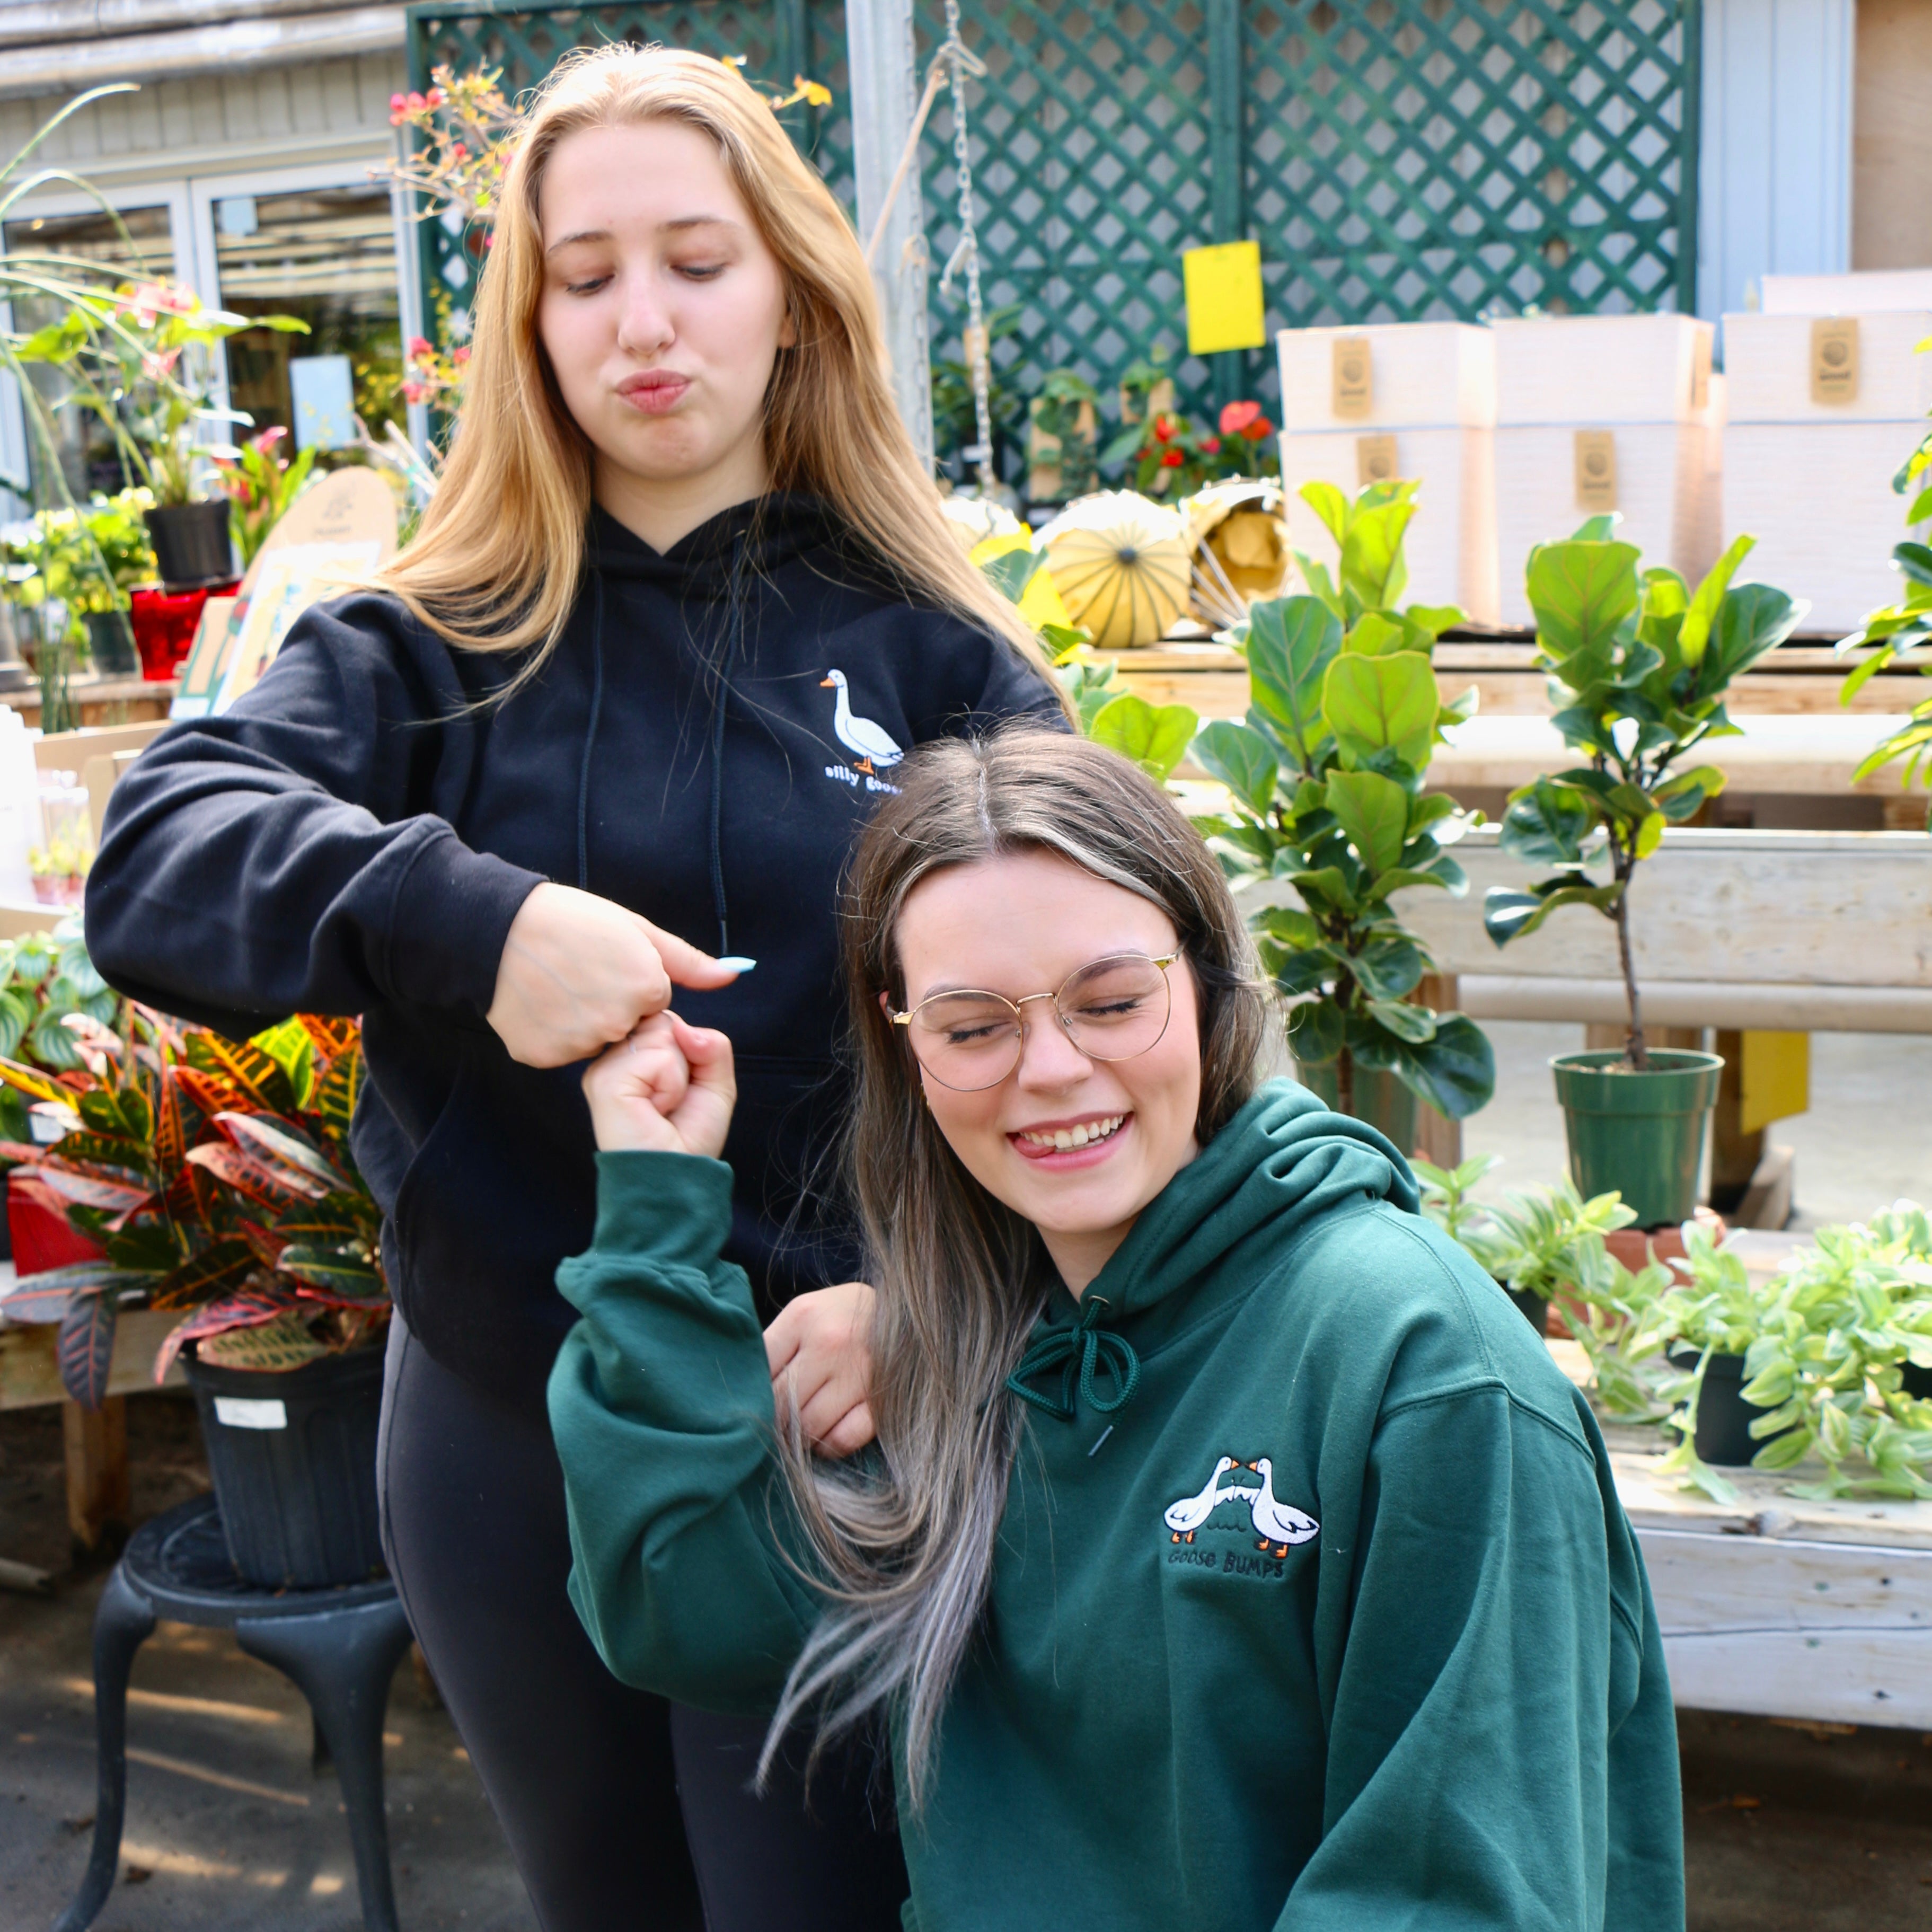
point(734, 634)
point(1078, 1352)
point(590, 733)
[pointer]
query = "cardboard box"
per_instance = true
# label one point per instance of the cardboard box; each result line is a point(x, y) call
point(1389, 375)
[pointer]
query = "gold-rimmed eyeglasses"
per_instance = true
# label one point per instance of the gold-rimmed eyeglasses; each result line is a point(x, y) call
point(1114, 1008)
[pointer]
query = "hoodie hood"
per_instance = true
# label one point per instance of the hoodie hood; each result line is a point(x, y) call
point(1282, 1163)
point(772, 530)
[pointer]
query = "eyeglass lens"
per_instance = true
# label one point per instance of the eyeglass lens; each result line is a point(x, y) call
point(1112, 1010)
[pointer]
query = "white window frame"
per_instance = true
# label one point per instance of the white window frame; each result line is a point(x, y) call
point(171, 195)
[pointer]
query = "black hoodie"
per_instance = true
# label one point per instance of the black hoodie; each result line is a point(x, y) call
point(357, 835)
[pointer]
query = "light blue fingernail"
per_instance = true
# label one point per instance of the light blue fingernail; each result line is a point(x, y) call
point(737, 963)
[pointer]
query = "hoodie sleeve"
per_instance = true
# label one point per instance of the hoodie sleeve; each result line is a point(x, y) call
point(1501, 1749)
point(277, 859)
point(683, 1545)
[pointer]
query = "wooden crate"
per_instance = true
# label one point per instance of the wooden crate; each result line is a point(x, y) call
point(1451, 547)
point(1811, 479)
point(1603, 412)
point(1410, 399)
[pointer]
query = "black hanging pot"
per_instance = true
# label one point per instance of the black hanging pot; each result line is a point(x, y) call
point(1535, 1309)
point(293, 1453)
point(191, 546)
point(1915, 1381)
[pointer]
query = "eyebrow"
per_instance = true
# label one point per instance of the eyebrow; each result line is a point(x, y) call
point(682, 222)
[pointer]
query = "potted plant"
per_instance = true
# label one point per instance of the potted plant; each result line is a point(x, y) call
point(1326, 784)
point(215, 1178)
point(1533, 1243)
point(117, 528)
point(1061, 456)
point(260, 484)
point(1642, 664)
point(131, 354)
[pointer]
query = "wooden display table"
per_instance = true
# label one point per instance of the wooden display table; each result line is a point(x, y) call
point(1774, 1606)
point(103, 700)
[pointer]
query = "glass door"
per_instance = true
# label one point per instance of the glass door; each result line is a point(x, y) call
point(327, 255)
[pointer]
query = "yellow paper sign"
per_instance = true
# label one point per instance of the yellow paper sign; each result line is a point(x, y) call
point(1774, 1078)
point(1225, 306)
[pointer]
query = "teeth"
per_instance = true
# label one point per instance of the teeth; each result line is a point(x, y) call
point(1062, 1138)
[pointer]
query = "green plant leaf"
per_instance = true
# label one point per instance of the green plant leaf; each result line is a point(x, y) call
point(1371, 560)
point(1399, 878)
point(1330, 506)
point(1156, 739)
point(1376, 633)
point(1242, 759)
point(1701, 614)
point(1315, 1031)
point(1455, 1071)
point(1580, 593)
point(1374, 704)
point(1914, 559)
point(1412, 1025)
point(1389, 968)
point(1508, 914)
point(1753, 620)
point(1292, 641)
point(1373, 810)
point(1013, 571)
point(1546, 822)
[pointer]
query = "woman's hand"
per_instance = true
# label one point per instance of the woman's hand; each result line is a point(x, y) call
point(820, 1350)
point(668, 1089)
point(579, 972)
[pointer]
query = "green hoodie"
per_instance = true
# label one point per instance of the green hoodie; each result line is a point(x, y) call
point(1333, 1622)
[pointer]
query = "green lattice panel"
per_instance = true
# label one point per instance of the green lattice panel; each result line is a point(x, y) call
point(1418, 158)
point(779, 38)
point(1091, 173)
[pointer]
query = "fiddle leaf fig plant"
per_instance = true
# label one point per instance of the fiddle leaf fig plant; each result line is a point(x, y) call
point(1325, 779)
point(1639, 664)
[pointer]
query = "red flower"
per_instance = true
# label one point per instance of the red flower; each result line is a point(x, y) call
point(1259, 431)
point(1212, 445)
point(459, 152)
point(1171, 459)
point(1163, 428)
point(1237, 416)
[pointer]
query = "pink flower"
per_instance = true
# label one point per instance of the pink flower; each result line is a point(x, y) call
point(1237, 416)
point(157, 366)
point(459, 152)
point(420, 349)
point(397, 102)
point(266, 441)
point(414, 392)
point(436, 97)
point(1212, 445)
point(461, 358)
point(415, 103)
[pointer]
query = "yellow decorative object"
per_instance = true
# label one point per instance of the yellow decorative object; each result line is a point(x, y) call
point(1121, 564)
point(1238, 530)
point(1040, 601)
point(1774, 1078)
point(1222, 284)
point(974, 519)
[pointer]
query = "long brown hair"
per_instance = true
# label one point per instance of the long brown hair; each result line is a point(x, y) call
point(960, 1277)
point(498, 561)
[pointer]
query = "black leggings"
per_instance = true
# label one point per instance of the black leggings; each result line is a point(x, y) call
point(585, 1774)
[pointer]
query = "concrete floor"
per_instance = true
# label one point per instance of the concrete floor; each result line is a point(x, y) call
point(1786, 1829)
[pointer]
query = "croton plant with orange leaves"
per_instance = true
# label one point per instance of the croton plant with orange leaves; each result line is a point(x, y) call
point(216, 1177)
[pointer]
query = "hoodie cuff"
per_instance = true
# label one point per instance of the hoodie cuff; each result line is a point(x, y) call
point(452, 916)
point(675, 1207)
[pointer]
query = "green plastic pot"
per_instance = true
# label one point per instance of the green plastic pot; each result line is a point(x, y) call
point(1380, 1099)
point(1641, 1134)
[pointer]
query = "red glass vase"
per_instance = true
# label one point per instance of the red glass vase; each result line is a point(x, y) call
point(164, 626)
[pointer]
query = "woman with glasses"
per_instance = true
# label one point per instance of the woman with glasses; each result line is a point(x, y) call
point(683, 599)
point(1231, 1556)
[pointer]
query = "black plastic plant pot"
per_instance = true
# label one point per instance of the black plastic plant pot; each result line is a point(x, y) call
point(1724, 1418)
point(110, 642)
point(1915, 1381)
point(1535, 1309)
point(293, 1456)
point(191, 546)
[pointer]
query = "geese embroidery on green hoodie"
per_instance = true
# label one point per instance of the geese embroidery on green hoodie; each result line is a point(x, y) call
point(1313, 1609)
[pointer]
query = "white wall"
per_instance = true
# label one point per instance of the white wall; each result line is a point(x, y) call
point(1774, 183)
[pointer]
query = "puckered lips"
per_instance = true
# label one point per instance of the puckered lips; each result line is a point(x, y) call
point(1081, 1140)
point(654, 392)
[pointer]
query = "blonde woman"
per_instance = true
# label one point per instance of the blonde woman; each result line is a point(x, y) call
point(681, 604)
point(1234, 1558)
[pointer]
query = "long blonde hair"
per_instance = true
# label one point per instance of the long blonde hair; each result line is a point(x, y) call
point(499, 560)
point(905, 1554)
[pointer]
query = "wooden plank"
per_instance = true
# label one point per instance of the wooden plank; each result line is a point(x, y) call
point(1803, 909)
point(30, 1370)
point(99, 1492)
point(1706, 1582)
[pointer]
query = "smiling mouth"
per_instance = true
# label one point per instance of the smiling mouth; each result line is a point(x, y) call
point(1062, 1140)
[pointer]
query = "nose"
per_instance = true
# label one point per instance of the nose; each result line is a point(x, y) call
point(1048, 1059)
point(644, 324)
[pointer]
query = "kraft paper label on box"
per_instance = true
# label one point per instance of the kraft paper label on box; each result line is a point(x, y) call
point(1596, 469)
point(1375, 460)
point(1834, 359)
point(1352, 393)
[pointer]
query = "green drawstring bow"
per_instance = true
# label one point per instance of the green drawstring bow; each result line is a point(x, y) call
point(1077, 1352)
